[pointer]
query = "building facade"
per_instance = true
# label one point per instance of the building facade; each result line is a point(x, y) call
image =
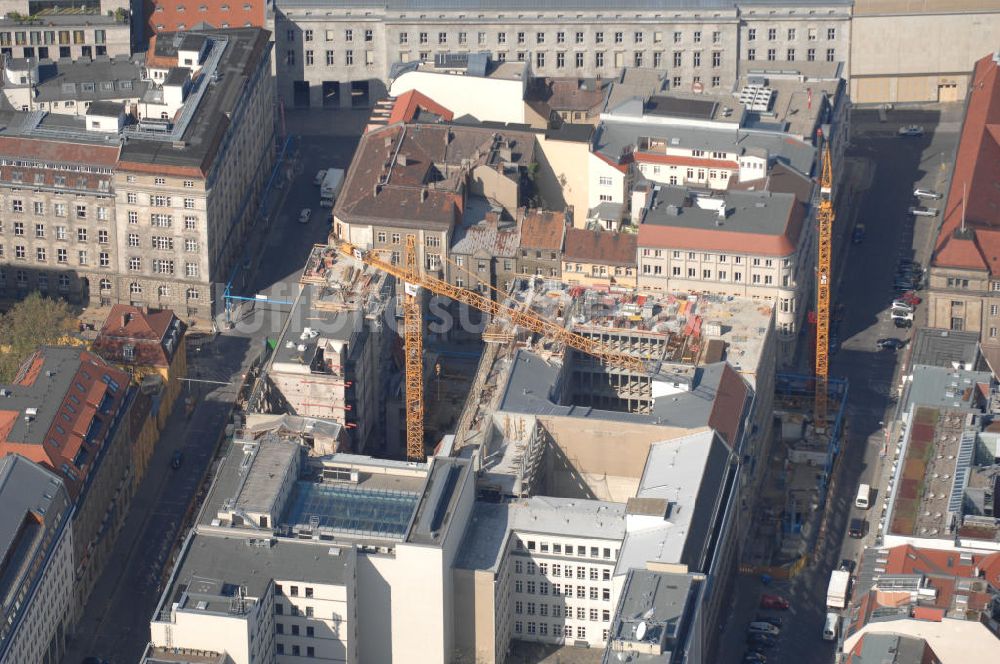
point(111, 214)
point(36, 539)
point(343, 57)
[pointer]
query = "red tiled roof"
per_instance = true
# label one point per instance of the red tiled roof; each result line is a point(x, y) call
point(59, 151)
point(973, 192)
point(143, 330)
point(543, 229)
point(407, 104)
point(601, 247)
point(169, 16)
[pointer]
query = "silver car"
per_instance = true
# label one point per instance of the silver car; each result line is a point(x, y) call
point(927, 193)
point(922, 211)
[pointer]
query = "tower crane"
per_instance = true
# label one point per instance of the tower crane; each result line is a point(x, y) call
point(824, 218)
point(413, 280)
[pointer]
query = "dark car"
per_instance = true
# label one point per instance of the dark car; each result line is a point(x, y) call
point(847, 565)
point(857, 528)
point(902, 323)
point(858, 234)
point(177, 460)
point(761, 641)
point(890, 343)
point(754, 657)
point(774, 620)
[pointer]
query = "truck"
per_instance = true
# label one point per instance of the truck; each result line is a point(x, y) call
point(836, 592)
point(330, 187)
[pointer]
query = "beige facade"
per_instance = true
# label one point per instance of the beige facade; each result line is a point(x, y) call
point(969, 301)
point(58, 36)
point(919, 52)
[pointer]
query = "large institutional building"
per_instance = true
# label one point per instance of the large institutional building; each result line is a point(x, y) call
point(135, 180)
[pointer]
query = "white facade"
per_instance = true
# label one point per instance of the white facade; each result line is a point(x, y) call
point(488, 99)
point(607, 183)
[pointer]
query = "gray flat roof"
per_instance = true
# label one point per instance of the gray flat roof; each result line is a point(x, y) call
point(665, 604)
point(297, 346)
point(260, 491)
point(213, 568)
point(90, 80)
point(529, 390)
point(755, 212)
point(437, 503)
point(945, 387)
point(492, 523)
point(612, 136)
point(945, 348)
point(880, 648)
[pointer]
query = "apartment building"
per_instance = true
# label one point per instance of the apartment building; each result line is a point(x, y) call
point(415, 180)
point(753, 244)
point(44, 30)
point(964, 281)
point(599, 258)
point(543, 233)
point(343, 57)
point(36, 540)
point(150, 346)
point(70, 412)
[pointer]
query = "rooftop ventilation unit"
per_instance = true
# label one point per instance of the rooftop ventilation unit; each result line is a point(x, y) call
point(756, 98)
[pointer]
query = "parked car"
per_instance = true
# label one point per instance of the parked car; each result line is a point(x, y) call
point(927, 193)
point(902, 304)
point(902, 323)
point(774, 620)
point(754, 657)
point(763, 641)
point(305, 215)
point(901, 314)
point(763, 628)
point(911, 130)
point(911, 297)
point(847, 565)
point(320, 176)
point(923, 211)
point(890, 343)
point(858, 234)
point(857, 528)
point(773, 602)
point(177, 459)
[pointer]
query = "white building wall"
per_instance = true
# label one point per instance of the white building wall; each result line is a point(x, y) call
point(487, 99)
point(606, 183)
point(45, 622)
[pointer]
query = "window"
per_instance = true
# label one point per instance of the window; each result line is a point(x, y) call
point(59, 209)
point(309, 58)
point(812, 34)
point(190, 223)
point(161, 242)
point(599, 59)
point(772, 54)
point(442, 38)
point(81, 256)
point(831, 33)
point(191, 269)
point(751, 54)
point(716, 37)
point(560, 60)
point(348, 57)
point(61, 256)
point(678, 36)
point(105, 259)
point(579, 59)
point(134, 263)
point(540, 59)
point(81, 235)
point(102, 236)
point(831, 54)
point(581, 632)
point(790, 55)
point(772, 34)
point(189, 203)
point(677, 58)
point(811, 55)
point(520, 38)
point(540, 37)
point(791, 34)
point(697, 36)
point(751, 34)
point(19, 251)
point(40, 254)
point(598, 37)
point(697, 58)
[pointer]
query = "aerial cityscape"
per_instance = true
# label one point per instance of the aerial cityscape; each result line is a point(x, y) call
point(482, 332)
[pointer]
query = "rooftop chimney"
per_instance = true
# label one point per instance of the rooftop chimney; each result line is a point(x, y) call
point(401, 160)
point(126, 319)
point(423, 194)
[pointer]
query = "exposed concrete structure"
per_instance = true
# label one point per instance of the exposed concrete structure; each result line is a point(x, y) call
point(331, 360)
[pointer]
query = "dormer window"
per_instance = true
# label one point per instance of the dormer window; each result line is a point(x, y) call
point(128, 352)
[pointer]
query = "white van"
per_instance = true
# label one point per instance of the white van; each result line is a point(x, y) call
point(864, 495)
point(831, 627)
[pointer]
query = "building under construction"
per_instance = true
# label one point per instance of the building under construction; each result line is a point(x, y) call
point(333, 357)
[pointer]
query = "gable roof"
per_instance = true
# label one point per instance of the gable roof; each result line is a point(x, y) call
point(408, 104)
point(150, 333)
point(602, 247)
point(543, 229)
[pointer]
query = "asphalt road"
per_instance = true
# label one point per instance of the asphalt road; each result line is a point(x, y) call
point(897, 166)
point(115, 625)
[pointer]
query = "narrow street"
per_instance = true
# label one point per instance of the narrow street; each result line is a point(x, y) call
point(896, 166)
point(115, 623)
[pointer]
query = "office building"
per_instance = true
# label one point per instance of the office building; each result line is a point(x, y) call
point(36, 541)
point(126, 181)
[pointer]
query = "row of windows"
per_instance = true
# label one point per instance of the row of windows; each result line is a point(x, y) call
point(162, 266)
point(62, 255)
point(599, 270)
point(160, 181)
point(566, 550)
point(790, 54)
point(63, 280)
point(295, 651)
point(558, 569)
point(559, 590)
point(542, 629)
point(542, 609)
point(812, 34)
point(49, 37)
point(721, 258)
point(61, 232)
point(161, 220)
point(58, 209)
point(158, 200)
point(721, 275)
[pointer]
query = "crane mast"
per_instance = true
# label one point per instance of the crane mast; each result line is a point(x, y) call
point(824, 218)
point(413, 349)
